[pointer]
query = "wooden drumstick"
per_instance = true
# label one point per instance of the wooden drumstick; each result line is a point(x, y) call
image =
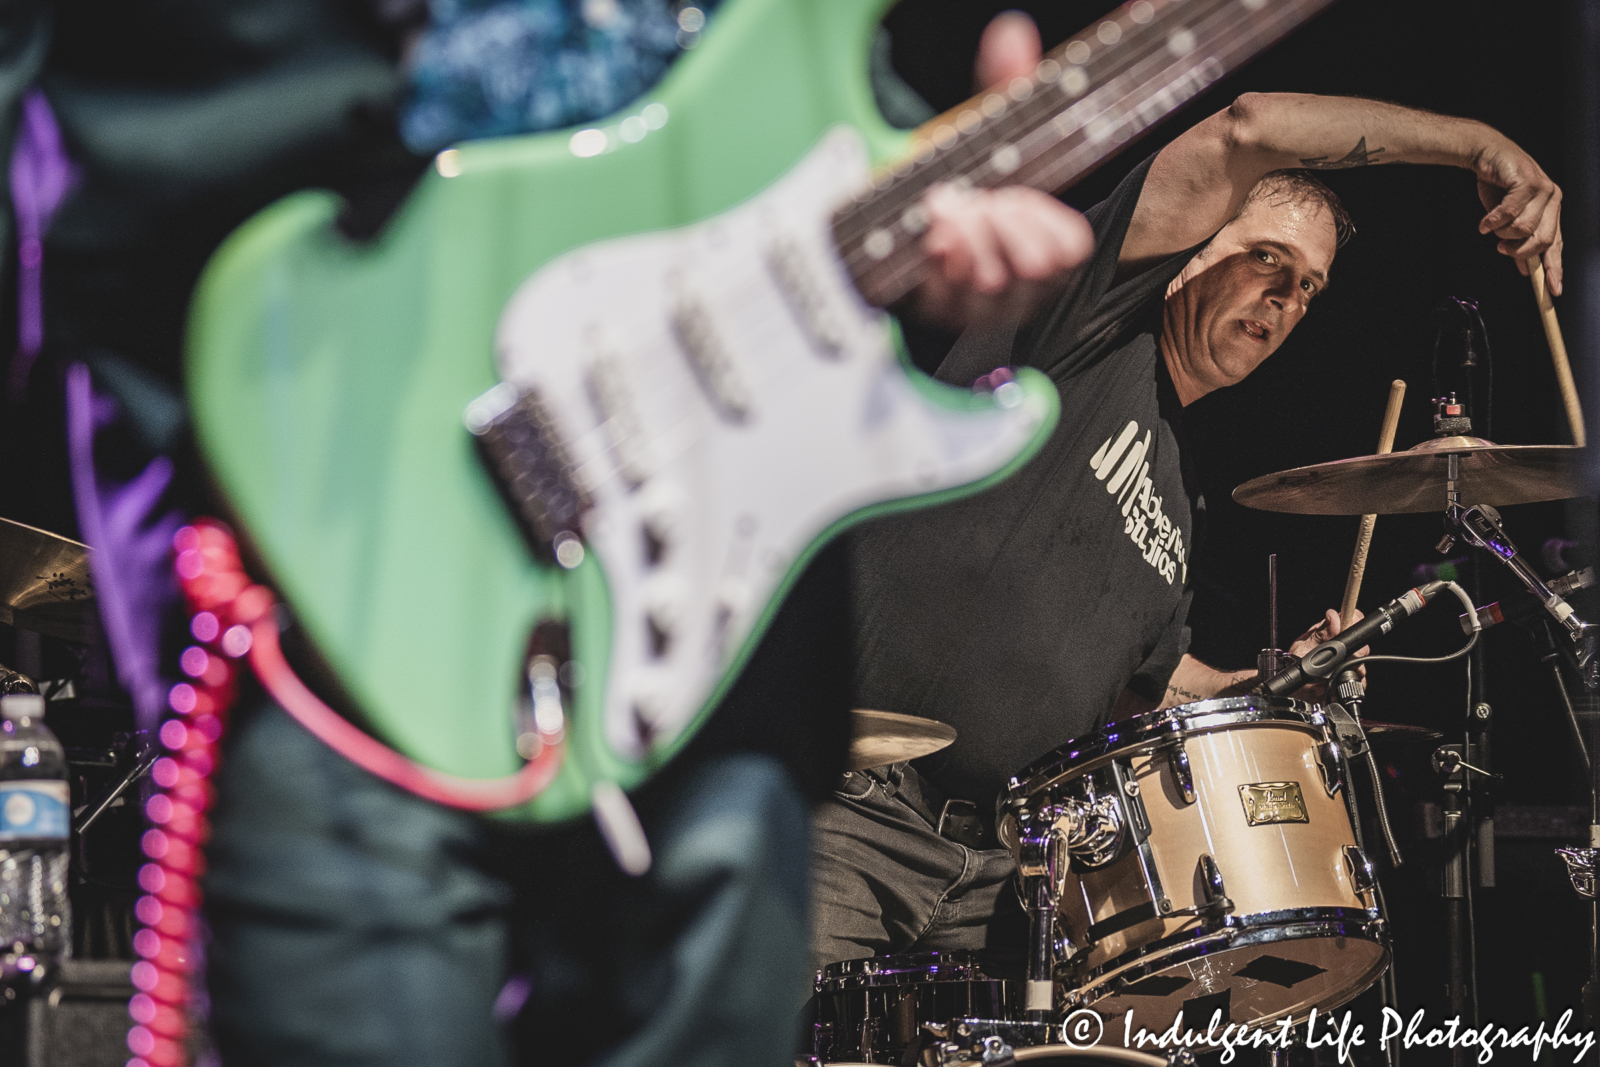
point(1558, 350)
point(1358, 562)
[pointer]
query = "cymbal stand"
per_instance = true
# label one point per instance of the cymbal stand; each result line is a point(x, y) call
point(1043, 857)
point(1480, 526)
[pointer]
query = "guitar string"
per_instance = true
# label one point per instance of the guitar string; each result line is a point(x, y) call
point(893, 272)
point(1071, 147)
point(1021, 119)
point(1130, 54)
point(884, 279)
point(1061, 162)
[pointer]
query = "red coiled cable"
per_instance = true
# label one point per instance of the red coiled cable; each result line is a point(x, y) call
point(232, 617)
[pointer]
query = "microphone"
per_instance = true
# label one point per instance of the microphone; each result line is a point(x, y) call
point(1528, 607)
point(1323, 660)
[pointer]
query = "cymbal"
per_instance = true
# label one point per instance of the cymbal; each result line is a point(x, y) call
point(1398, 731)
point(1414, 480)
point(880, 737)
point(44, 583)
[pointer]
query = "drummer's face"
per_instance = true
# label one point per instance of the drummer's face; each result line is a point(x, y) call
point(1236, 301)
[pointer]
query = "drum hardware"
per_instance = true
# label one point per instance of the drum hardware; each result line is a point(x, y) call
point(1217, 903)
point(1480, 526)
point(888, 1008)
point(1344, 719)
point(1581, 868)
point(985, 1042)
point(1272, 659)
point(15, 682)
point(1043, 856)
point(145, 756)
point(1447, 760)
point(1331, 760)
point(1182, 774)
point(1362, 875)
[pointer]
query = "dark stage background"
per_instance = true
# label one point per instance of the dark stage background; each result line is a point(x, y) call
point(1321, 397)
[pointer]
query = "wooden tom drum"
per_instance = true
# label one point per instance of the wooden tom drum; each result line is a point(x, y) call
point(1201, 859)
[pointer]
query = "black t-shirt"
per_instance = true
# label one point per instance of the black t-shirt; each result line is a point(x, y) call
point(1019, 614)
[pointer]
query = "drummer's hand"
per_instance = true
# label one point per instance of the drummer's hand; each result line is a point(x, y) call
point(1322, 631)
point(1524, 207)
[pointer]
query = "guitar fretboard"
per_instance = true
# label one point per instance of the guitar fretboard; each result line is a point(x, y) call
point(1085, 101)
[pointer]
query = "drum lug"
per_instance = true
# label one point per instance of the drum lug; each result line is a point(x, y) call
point(1331, 759)
point(1178, 760)
point(1362, 875)
point(1217, 902)
point(1211, 880)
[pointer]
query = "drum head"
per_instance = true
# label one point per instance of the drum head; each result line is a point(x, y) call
point(1253, 983)
point(1065, 1056)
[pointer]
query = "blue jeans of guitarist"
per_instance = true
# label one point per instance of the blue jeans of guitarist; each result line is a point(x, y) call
point(355, 924)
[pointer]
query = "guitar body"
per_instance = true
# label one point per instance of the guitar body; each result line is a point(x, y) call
point(726, 399)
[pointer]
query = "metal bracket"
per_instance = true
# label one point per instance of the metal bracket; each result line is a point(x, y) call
point(1362, 875)
point(1217, 902)
point(1178, 760)
point(1331, 760)
point(1138, 828)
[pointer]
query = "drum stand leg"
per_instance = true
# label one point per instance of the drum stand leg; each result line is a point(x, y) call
point(1039, 995)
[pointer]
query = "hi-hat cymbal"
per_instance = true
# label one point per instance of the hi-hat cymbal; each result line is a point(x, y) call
point(880, 737)
point(44, 583)
point(1414, 480)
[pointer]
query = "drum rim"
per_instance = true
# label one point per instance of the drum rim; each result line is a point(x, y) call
point(1163, 726)
point(1262, 928)
point(907, 968)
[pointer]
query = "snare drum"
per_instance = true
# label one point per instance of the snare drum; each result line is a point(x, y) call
point(1201, 859)
point(873, 1010)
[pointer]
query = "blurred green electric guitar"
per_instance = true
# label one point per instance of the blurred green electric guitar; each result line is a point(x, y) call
point(632, 376)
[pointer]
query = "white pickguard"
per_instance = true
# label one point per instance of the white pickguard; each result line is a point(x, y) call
point(813, 418)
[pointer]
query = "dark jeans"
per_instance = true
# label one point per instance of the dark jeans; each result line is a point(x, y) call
point(884, 881)
point(355, 924)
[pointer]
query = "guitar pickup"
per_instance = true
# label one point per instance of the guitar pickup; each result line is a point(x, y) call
point(712, 362)
point(612, 397)
point(523, 450)
point(803, 293)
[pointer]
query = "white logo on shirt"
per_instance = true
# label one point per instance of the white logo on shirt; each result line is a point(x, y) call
point(1123, 465)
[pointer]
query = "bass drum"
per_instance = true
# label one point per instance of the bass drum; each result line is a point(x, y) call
point(873, 1010)
point(1201, 860)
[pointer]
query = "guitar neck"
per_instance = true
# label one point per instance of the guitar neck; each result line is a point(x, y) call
point(1084, 102)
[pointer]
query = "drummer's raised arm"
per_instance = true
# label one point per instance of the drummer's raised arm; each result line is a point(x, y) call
point(1199, 181)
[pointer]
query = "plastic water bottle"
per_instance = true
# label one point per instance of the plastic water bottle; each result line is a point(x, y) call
point(35, 827)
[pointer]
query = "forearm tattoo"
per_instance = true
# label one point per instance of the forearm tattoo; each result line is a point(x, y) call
point(1359, 156)
point(1183, 695)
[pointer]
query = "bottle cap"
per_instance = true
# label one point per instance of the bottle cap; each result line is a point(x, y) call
point(18, 705)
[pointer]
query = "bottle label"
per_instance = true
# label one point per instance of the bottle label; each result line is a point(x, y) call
point(34, 809)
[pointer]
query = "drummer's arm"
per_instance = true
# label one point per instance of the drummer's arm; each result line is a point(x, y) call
point(1197, 183)
point(1194, 680)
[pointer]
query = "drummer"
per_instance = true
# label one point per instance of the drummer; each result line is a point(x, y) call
point(1029, 614)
